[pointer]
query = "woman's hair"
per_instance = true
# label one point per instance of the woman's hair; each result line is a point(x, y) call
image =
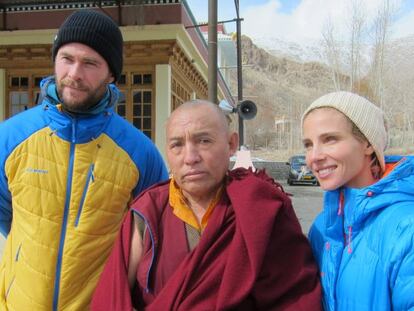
point(356, 132)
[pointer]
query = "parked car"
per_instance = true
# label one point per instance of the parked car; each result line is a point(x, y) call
point(299, 172)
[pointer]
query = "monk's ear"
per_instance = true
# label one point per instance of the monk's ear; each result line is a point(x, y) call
point(233, 143)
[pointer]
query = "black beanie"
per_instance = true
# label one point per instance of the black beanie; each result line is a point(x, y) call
point(95, 30)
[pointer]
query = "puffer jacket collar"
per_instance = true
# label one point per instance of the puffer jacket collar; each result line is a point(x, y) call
point(359, 204)
point(76, 128)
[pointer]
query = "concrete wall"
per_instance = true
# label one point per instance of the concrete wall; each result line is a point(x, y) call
point(162, 104)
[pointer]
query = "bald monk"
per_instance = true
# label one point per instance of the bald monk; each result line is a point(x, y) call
point(209, 239)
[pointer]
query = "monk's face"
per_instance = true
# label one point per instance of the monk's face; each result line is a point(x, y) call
point(199, 146)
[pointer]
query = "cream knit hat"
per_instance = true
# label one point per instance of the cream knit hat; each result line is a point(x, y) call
point(369, 119)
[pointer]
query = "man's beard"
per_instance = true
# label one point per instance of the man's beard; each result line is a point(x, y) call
point(80, 106)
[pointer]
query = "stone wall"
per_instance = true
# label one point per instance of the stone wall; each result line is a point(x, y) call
point(278, 170)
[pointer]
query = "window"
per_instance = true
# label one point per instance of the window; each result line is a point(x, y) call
point(121, 106)
point(122, 80)
point(142, 111)
point(136, 102)
point(23, 89)
point(36, 81)
point(36, 97)
point(179, 94)
point(147, 79)
point(20, 94)
point(19, 101)
point(15, 82)
point(142, 78)
point(137, 79)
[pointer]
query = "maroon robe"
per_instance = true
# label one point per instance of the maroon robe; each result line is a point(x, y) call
point(251, 256)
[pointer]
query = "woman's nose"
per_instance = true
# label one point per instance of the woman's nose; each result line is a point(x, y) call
point(315, 154)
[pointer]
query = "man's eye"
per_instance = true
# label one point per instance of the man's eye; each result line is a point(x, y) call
point(175, 145)
point(205, 141)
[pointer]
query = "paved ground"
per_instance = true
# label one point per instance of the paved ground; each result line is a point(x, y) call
point(307, 202)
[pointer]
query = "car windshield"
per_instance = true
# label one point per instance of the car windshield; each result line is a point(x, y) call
point(297, 163)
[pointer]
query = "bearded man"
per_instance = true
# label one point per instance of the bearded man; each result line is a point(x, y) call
point(68, 169)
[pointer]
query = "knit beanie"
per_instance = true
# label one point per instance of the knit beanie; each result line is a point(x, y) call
point(96, 30)
point(367, 117)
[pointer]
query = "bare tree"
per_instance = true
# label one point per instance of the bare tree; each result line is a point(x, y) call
point(388, 79)
point(344, 56)
point(398, 95)
point(357, 25)
point(381, 32)
point(333, 54)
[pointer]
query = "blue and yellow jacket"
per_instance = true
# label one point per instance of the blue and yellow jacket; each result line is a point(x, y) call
point(363, 242)
point(65, 184)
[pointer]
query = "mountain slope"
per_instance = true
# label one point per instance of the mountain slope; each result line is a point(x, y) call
point(282, 89)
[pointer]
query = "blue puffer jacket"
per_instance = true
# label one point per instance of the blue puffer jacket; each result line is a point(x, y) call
point(365, 246)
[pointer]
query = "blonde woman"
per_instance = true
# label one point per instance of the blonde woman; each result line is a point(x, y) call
point(363, 240)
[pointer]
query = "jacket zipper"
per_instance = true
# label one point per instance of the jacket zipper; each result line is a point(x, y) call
point(65, 218)
point(16, 258)
point(90, 178)
point(8, 288)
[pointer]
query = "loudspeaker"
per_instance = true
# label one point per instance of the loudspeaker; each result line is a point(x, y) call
point(226, 107)
point(247, 109)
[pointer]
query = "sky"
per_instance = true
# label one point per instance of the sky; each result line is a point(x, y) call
point(300, 20)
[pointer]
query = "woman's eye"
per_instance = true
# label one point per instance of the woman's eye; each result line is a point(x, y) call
point(330, 138)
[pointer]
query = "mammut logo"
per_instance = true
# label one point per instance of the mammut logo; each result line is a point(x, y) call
point(36, 171)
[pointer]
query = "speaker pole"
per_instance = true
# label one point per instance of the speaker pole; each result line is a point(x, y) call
point(212, 51)
point(239, 73)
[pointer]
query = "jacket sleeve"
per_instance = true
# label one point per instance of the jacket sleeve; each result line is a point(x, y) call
point(402, 274)
point(112, 292)
point(152, 170)
point(5, 206)
point(5, 196)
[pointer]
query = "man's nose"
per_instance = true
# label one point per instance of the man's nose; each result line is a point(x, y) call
point(192, 154)
point(75, 71)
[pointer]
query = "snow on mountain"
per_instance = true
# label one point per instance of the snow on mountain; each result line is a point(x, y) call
point(308, 51)
point(402, 51)
point(314, 51)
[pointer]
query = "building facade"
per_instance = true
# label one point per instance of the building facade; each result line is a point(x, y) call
point(165, 57)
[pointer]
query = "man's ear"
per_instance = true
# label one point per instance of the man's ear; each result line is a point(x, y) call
point(233, 143)
point(111, 78)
